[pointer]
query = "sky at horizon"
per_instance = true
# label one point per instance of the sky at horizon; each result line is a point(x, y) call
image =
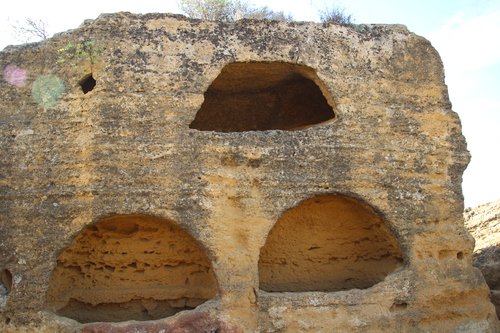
point(465, 33)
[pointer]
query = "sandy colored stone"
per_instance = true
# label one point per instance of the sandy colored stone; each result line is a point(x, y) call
point(218, 135)
point(274, 95)
point(483, 222)
point(328, 243)
point(130, 267)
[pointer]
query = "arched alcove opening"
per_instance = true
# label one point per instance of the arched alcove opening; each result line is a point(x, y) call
point(130, 267)
point(328, 243)
point(260, 96)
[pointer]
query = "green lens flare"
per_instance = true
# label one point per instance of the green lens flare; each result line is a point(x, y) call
point(47, 90)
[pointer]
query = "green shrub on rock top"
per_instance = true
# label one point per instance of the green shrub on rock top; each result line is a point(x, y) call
point(229, 10)
point(81, 51)
point(336, 12)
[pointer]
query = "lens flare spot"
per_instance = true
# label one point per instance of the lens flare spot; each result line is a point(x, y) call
point(47, 90)
point(14, 75)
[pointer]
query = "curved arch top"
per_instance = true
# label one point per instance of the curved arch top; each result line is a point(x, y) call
point(130, 267)
point(328, 243)
point(260, 96)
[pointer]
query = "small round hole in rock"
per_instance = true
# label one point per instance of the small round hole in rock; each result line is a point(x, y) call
point(399, 306)
point(460, 255)
point(87, 83)
point(7, 280)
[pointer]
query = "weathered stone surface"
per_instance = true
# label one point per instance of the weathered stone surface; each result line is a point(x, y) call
point(328, 243)
point(356, 122)
point(483, 222)
point(159, 267)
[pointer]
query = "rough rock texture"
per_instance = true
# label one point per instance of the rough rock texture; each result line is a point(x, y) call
point(130, 259)
point(154, 163)
point(274, 95)
point(483, 222)
point(328, 243)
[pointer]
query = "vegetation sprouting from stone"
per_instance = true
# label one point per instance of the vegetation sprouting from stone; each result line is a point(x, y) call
point(336, 12)
point(266, 13)
point(229, 10)
point(81, 51)
point(30, 30)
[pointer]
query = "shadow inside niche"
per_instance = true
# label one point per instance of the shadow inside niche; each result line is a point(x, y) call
point(260, 96)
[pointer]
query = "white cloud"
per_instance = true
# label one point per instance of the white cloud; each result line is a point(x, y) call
point(468, 45)
point(468, 42)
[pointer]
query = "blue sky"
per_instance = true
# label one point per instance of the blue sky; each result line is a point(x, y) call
point(465, 32)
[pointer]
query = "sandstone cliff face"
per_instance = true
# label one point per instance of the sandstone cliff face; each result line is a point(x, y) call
point(248, 177)
point(483, 222)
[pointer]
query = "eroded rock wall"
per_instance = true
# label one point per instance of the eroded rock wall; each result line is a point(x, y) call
point(130, 259)
point(328, 243)
point(115, 132)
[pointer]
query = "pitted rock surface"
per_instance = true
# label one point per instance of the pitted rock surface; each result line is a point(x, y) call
point(130, 259)
point(256, 176)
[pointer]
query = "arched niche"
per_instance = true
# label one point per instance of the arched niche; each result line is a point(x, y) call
point(130, 267)
point(260, 96)
point(328, 243)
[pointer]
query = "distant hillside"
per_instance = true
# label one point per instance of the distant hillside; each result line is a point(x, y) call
point(483, 222)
